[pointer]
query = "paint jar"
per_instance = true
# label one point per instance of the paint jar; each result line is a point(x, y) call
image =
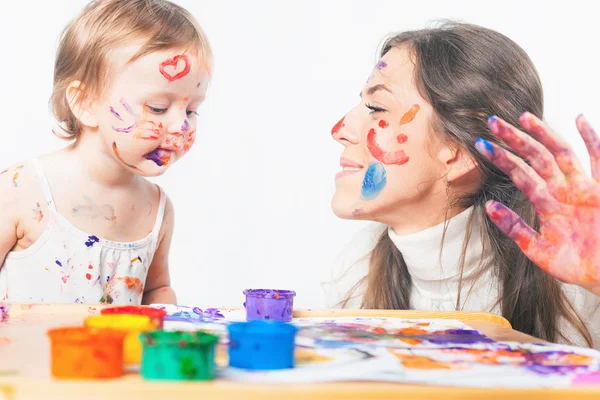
point(269, 304)
point(157, 315)
point(261, 345)
point(178, 355)
point(132, 325)
point(87, 353)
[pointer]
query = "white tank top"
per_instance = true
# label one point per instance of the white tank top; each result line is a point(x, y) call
point(67, 265)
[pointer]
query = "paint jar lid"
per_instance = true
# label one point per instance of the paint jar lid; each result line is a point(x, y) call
point(263, 328)
point(85, 335)
point(126, 322)
point(179, 338)
point(270, 293)
point(135, 310)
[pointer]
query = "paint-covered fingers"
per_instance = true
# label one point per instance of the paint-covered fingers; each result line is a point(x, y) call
point(540, 159)
point(512, 225)
point(523, 176)
point(563, 154)
point(592, 142)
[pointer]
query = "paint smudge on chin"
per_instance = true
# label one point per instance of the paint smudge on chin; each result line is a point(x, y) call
point(173, 64)
point(185, 127)
point(116, 114)
point(381, 64)
point(159, 156)
point(116, 151)
point(390, 158)
point(373, 182)
point(357, 212)
point(410, 114)
point(336, 128)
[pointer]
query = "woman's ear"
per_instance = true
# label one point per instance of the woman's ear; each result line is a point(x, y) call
point(458, 161)
point(81, 104)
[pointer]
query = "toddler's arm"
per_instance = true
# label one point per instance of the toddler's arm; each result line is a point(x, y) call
point(157, 288)
point(8, 215)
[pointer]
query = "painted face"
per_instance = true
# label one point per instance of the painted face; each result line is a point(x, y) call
point(147, 118)
point(389, 164)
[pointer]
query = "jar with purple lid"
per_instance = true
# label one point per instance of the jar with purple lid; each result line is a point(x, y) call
point(269, 304)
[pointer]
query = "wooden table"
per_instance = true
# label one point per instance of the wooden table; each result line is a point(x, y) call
point(24, 347)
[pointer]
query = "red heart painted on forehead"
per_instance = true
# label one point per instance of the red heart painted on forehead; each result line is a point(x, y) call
point(173, 63)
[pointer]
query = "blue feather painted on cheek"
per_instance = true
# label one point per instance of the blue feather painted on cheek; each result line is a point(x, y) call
point(374, 181)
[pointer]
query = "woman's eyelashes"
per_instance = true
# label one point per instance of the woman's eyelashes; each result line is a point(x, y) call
point(374, 109)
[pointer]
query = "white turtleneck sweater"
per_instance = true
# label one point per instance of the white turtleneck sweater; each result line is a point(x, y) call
point(435, 278)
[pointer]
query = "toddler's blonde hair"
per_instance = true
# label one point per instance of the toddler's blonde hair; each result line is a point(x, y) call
point(105, 25)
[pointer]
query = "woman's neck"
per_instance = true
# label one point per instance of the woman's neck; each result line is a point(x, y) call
point(437, 253)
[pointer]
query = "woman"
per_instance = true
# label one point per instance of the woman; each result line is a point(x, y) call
point(412, 160)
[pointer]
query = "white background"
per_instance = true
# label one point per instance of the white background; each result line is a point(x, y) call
point(252, 198)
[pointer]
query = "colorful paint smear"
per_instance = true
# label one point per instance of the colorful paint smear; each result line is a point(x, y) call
point(116, 114)
point(155, 131)
point(129, 110)
point(383, 124)
point(189, 142)
point(185, 127)
point(38, 215)
point(381, 64)
point(373, 182)
point(336, 128)
point(173, 64)
point(566, 200)
point(116, 151)
point(128, 129)
point(398, 157)
point(16, 175)
point(401, 138)
point(159, 156)
point(410, 114)
point(91, 241)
